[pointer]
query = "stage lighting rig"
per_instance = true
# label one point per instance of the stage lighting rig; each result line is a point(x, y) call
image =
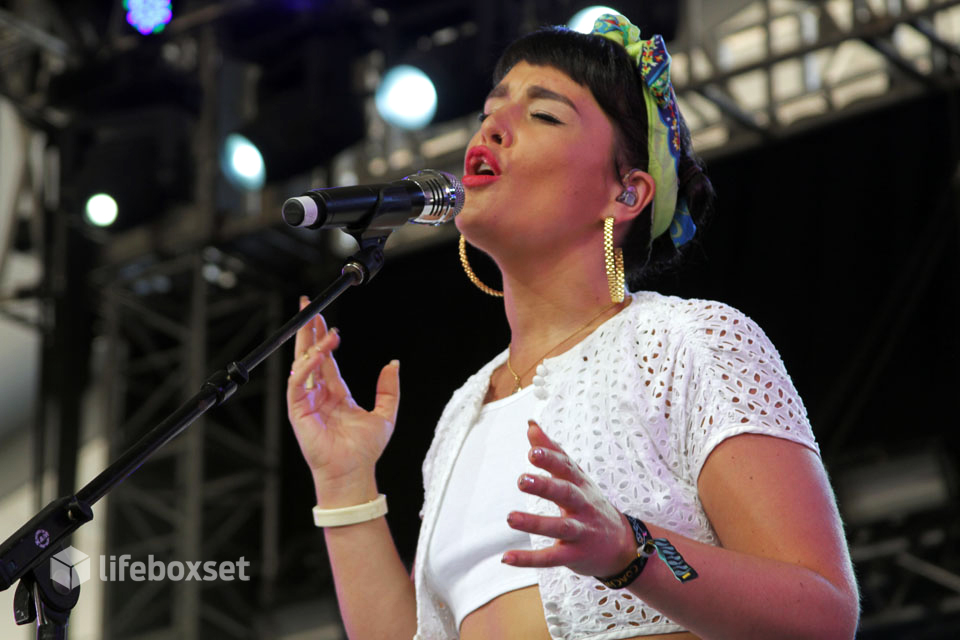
point(583, 20)
point(242, 163)
point(651, 16)
point(141, 160)
point(406, 97)
point(101, 210)
point(148, 16)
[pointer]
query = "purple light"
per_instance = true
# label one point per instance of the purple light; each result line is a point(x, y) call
point(148, 16)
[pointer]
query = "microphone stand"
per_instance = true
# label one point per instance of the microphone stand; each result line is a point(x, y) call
point(25, 556)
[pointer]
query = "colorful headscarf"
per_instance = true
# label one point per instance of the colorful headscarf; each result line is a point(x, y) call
point(663, 124)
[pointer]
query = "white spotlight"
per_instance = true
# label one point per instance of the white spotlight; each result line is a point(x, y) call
point(242, 163)
point(583, 20)
point(101, 210)
point(406, 97)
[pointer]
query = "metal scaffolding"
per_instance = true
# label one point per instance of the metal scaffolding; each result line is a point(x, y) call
point(212, 494)
point(781, 66)
point(749, 73)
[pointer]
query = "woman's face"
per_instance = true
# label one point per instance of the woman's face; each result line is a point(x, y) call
point(540, 170)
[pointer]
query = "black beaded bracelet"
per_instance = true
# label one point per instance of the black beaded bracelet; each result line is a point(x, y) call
point(646, 547)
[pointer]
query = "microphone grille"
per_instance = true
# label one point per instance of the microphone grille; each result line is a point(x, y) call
point(443, 196)
point(459, 195)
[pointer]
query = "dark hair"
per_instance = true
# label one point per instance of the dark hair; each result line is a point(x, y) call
point(606, 69)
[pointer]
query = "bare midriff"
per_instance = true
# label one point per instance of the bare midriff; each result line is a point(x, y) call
point(518, 615)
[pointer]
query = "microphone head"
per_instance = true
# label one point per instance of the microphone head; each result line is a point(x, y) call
point(443, 196)
point(300, 211)
point(293, 212)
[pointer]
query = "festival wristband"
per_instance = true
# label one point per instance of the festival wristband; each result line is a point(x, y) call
point(646, 547)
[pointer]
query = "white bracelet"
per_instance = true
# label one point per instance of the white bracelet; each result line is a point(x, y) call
point(351, 515)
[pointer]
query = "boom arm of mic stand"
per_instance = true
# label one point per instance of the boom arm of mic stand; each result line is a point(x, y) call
point(43, 535)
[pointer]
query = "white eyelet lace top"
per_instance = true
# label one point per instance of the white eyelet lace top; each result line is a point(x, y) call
point(639, 404)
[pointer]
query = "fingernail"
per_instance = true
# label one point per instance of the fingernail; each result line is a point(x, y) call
point(395, 363)
point(526, 482)
point(507, 559)
point(537, 453)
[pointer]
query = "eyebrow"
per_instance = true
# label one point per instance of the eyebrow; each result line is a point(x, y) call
point(534, 92)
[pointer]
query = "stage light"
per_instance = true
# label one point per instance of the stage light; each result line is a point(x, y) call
point(242, 162)
point(583, 20)
point(148, 16)
point(406, 97)
point(101, 210)
point(142, 158)
point(307, 110)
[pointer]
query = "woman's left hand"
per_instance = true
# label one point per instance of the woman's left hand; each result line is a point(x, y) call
point(592, 537)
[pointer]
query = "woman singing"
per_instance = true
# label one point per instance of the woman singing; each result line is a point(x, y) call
point(631, 465)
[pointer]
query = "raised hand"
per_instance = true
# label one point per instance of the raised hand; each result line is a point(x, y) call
point(340, 440)
point(592, 537)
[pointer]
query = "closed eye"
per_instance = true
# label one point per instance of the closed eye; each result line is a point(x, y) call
point(546, 117)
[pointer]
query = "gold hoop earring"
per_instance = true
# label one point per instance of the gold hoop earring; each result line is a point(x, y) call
point(471, 275)
point(613, 262)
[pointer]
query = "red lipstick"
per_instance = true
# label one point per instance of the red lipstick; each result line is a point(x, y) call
point(480, 167)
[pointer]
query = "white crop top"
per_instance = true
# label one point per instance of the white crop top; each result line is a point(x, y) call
point(472, 534)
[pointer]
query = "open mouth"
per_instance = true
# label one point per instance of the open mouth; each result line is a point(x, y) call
point(481, 167)
point(480, 162)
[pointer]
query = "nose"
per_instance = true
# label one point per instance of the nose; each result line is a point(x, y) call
point(495, 129)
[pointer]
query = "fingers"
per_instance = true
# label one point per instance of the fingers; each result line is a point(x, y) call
point(312, 359)
point(330, 370)
point(588, 521)
point(388, 392)
point(538, 438)
point(566, 529)
point(314, 365)
point(557, 463)
point(554, 556)
point(310, 333)
point(304, 337)
point(550, 456)
point(563, 493)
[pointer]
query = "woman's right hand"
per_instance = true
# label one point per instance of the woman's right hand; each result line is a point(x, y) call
point(340, 440)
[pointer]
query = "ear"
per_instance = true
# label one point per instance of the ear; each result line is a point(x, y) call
point(634, 194)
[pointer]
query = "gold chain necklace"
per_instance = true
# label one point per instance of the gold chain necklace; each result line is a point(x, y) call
point(517, 378)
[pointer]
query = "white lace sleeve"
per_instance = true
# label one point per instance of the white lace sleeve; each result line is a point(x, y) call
point(739, 385)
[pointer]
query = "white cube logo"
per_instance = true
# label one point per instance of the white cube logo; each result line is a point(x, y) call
point(70, 568)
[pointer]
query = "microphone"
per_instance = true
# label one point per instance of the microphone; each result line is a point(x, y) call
point(426, 197)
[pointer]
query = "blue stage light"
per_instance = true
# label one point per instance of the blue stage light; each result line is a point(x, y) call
point(406, 97)
point(583, 20)
point(242, 163)
point(148, 16)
